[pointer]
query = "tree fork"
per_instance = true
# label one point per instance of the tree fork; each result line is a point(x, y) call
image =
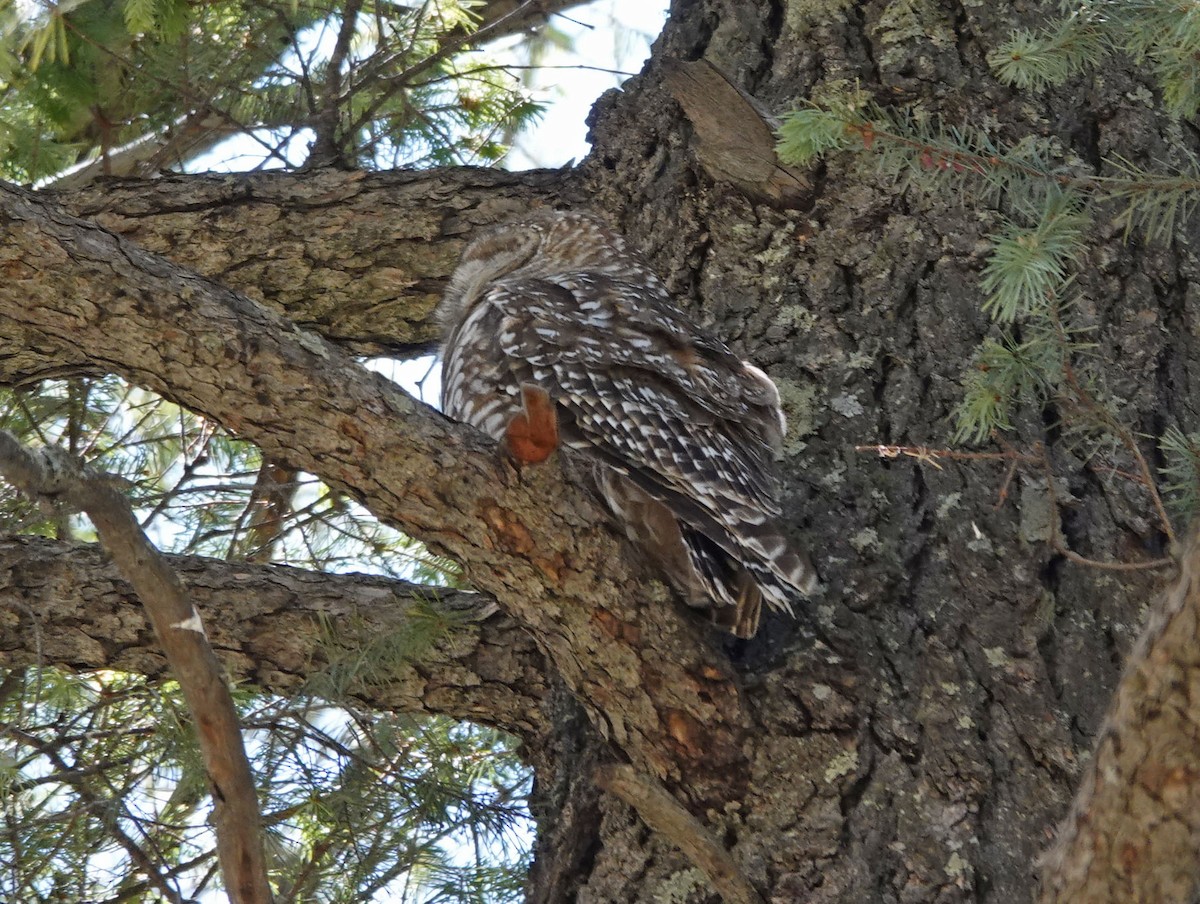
point(643, 671)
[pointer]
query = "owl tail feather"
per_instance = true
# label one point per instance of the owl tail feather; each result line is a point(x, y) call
point(782, 570)
point(731, 593)
point(745, 612)
point(774, 570)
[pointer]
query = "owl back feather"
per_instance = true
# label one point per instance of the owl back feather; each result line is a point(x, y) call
point(682, 434)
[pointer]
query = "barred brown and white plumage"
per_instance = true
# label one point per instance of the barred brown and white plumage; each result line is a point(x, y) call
point(683, 435)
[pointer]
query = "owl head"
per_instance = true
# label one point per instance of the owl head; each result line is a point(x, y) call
point(542, 243)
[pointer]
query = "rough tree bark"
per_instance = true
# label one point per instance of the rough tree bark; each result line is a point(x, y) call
point(925, 747)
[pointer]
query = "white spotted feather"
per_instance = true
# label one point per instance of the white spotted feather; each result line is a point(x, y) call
point(683, 434)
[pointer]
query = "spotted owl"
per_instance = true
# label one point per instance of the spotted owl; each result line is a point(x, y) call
point(554, 311)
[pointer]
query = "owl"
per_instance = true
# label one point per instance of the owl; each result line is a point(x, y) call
point(555, 332)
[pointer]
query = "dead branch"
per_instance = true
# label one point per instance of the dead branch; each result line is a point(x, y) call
point(54, 475)
point(667, 816)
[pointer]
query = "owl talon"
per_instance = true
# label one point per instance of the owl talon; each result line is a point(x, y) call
point(532, 437)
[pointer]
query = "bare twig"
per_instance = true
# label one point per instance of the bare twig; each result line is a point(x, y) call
point(1002, 493)
point(54, 475)
point(1086, 400)
point(928, 456)
point(1059, 544)
point(667, 816)
point(1072, 556)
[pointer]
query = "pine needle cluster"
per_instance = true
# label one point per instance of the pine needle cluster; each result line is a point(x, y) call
point(1048, 206)
point(1163, 34)
point(105, 797)
point(158, 81)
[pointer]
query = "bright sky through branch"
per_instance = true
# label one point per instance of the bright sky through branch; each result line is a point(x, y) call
point(604, 40)
point(606, 35)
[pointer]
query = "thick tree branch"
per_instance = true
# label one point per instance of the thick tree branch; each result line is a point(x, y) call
point(274, 627)
point(1133, 833)
point(180, 633)
point(75, 295)
point(360, 257)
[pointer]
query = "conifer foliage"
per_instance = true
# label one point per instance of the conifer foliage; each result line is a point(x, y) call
point(103, 794)
point(1051, 207)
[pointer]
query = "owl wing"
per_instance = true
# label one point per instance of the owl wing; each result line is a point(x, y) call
point(642, 383)
point(639, 388)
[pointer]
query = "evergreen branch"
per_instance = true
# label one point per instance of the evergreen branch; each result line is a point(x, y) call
point(103, 807)
point(1028, 267)
point(1003, 372)
point(954, 152)
point(448, 49)
point(921, 151)
point(1033, 61)
point(1154, 202)
point(140, 15)
point(326, 148)
point(811, 133)
point(1182, 453)
point(180, 632)
point(1165, 33)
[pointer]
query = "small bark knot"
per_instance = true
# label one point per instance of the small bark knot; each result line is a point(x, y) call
point(511, 535)
point(615, 627)
point(686, 732)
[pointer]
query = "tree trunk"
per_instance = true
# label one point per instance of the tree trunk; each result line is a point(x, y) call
point(929, 753)
point(917, 732)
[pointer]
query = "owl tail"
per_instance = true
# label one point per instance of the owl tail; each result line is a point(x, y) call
point(769, 567)
point(781, 569)
point(726, 566)
point(741, 619)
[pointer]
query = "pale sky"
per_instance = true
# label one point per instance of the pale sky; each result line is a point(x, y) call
point(606, 35)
